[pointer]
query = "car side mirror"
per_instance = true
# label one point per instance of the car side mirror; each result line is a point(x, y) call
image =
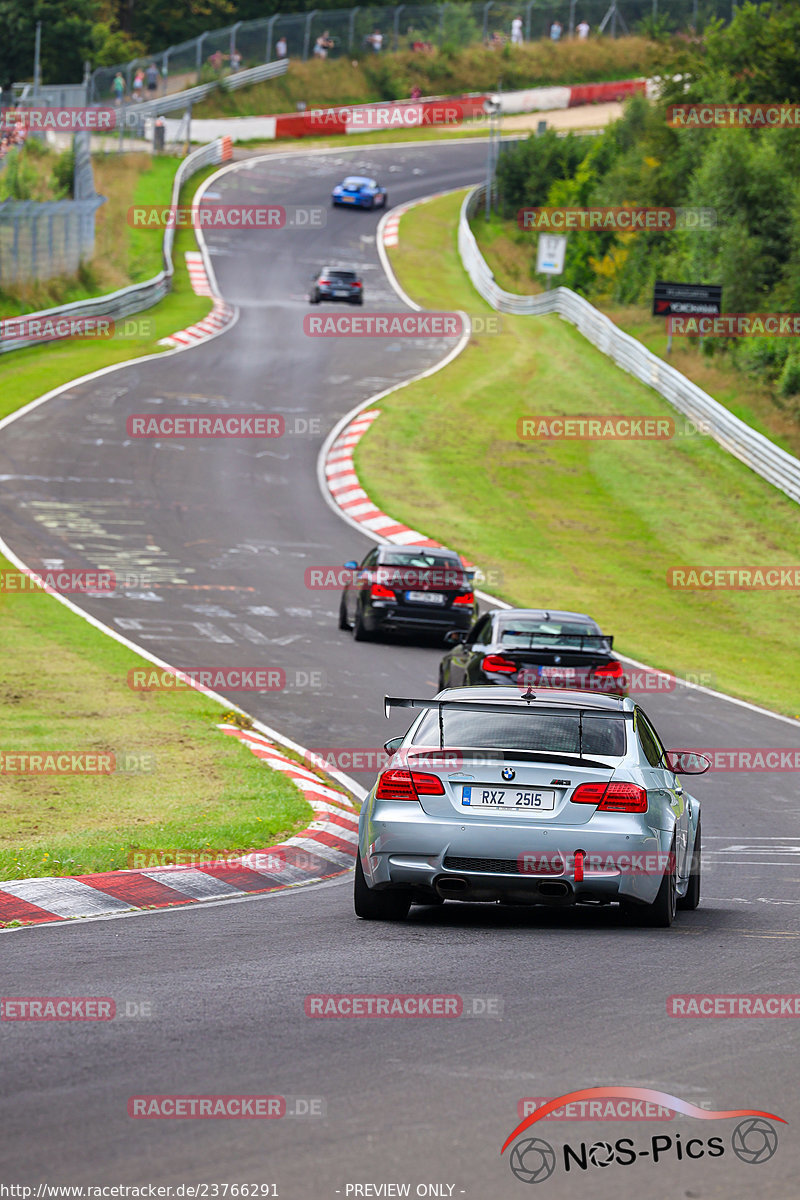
point(455, 636)
point(393, 744)
point(686, 762)
point(352, 565)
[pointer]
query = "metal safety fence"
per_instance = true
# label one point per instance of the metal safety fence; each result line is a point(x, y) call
point(42, 239)
point(139, 296)
point(760, 454)
point(350, 31)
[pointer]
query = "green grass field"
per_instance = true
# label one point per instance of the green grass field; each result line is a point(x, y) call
point(365, 78)
point(511, 254)
point(592, 526)
point(64, 685)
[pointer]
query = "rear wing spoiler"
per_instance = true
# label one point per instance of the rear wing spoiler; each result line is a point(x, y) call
point(564, 641)
point(493, 706)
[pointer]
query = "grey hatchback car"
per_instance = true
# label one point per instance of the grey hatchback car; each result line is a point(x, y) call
point(495, 794)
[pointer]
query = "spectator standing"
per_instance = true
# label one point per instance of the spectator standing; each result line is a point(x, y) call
point(152, 76)
point(138, 84)
point(415, 92)
point(375, 39)
point(583, 30)
point(236, 61)
point(555, 32)
point(281, 49)
point(118, 87)
point(516, 31)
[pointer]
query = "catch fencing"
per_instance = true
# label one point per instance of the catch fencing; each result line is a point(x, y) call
point(403, 27)
point(138, 296)
point(41, 239)
point(760, 454)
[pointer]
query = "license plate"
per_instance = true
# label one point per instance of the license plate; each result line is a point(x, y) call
point(349, 199)
point(520, 800)
point(340, 292)
point(425, 597)
point(559, 674)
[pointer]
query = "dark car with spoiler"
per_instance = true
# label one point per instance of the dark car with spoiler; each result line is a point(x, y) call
point(537, 648)
point(407, 588)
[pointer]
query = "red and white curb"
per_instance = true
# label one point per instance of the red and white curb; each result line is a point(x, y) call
point(325, 849)
point(348, 494)
point(391, 229)
point(220, 316)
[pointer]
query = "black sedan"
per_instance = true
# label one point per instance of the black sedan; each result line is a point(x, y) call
point(534, 647)
point(333, 283)
point(407, 588)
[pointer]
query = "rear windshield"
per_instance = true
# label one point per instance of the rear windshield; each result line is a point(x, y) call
point(345, 276)
point(544, 732)
point(353, 185)
point(573, 635)
point(403, 558)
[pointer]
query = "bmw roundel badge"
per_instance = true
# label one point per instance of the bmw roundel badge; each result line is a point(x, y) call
point(508, 773)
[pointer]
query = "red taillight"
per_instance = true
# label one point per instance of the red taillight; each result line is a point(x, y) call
point(323, 281)
point(611, 797)
point(496, 662)
point(465, 598)
point(408, 785)
point(358, 284)
point(612, 670)
point(378, 591)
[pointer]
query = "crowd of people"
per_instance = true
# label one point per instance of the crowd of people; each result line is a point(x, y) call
point(11, 138)
point(554, 33)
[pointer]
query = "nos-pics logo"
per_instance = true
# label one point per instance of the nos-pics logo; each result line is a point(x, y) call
point(754, 1140)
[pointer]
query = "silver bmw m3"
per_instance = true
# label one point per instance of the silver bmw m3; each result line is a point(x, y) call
point(500, 794)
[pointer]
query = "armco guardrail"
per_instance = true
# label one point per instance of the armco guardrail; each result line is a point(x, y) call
point(758, 452)
point(135, 114)
point(138, 296)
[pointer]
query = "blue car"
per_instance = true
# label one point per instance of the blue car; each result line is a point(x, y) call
point(359, 192)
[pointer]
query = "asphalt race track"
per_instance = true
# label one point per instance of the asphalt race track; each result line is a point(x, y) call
point(227, 529)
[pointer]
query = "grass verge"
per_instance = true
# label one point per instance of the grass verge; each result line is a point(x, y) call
point(122, 255)
point(447, 71)
point(64, 687)
point(511, 254)
point(591, 526)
